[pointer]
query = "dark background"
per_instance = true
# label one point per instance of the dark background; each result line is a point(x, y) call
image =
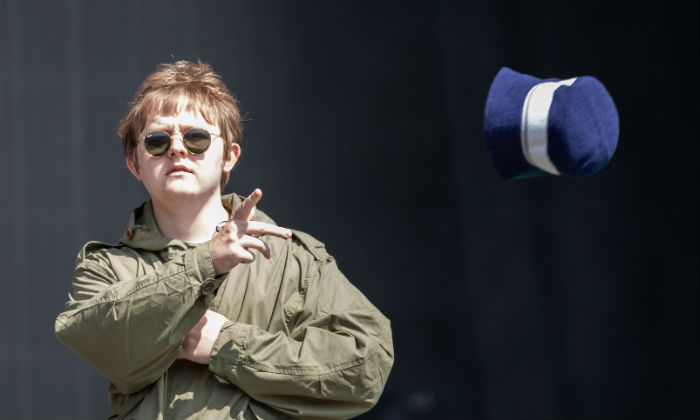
point(549, 297)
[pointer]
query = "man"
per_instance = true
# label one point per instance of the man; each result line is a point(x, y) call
point(182, 316)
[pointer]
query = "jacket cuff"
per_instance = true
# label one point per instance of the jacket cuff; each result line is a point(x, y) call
point(228, 350)
point(200, 268)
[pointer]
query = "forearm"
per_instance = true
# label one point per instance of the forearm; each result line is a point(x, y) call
point(131, 330)
point(333, 366)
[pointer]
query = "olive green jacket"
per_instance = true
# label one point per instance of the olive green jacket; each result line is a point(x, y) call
point(301, 342)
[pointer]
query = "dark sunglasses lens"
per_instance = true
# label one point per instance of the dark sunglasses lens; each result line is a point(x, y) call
point(197, 140)
point(157, 143)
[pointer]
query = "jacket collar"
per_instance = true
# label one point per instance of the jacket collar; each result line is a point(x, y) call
point(142, 231)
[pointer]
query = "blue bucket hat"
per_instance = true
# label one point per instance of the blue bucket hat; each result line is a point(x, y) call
point(536, 127)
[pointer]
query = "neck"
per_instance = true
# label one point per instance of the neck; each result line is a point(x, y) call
point(189, 220)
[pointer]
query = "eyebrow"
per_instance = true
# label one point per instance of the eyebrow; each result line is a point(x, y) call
point(168, 127)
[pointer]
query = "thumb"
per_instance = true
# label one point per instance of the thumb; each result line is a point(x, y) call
point(247, 209)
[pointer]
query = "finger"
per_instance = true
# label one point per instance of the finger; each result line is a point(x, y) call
point(262, 228)
point(243, 255)
point(198, 326)
point(232, 229)
point(245, 210)
point(250, 242)
point(239, 252)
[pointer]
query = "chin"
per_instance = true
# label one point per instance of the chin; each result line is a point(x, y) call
point(187, 190)
point(183, 191)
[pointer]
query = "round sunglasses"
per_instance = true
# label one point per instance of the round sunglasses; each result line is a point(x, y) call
point(196, 140)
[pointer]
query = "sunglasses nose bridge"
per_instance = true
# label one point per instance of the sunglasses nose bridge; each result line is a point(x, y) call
point(177, 144)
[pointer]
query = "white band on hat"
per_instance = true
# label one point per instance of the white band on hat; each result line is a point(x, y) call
point(533, 125)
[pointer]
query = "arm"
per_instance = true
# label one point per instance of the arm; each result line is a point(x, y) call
point(130, 330)
point(333, 363)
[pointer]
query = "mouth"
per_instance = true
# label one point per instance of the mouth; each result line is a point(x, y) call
point(178, 169)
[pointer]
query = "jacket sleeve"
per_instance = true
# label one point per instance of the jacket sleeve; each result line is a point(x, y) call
point(131, 329)
point(332, 363)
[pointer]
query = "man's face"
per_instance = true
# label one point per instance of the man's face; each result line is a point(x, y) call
point(179, 173)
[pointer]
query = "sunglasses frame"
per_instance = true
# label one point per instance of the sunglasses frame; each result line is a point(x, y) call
point(187, 142)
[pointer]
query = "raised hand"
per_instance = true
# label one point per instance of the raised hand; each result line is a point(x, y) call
point(234, 243)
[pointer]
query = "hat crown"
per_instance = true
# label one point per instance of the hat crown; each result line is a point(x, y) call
point(538, 126)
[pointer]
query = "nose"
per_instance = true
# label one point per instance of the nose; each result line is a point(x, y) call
point(177, 146)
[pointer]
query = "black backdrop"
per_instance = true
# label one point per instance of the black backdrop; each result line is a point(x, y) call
point(546, 297)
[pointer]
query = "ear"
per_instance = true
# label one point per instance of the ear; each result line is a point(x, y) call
point(133, 168)
point(231, 157)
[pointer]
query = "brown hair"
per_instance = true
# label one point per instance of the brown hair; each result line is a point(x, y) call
point(202, 90)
